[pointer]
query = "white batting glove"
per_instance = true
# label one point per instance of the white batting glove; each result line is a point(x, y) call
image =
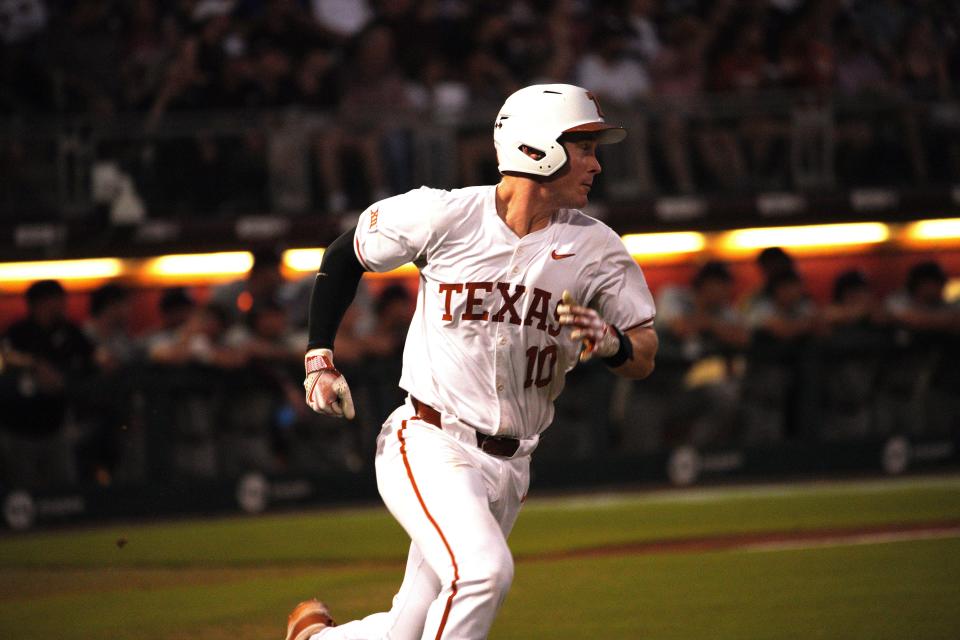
point(327, 390)
point(596, 336)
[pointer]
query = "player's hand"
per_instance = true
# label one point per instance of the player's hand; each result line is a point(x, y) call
point(597, 337)
point(327, 390)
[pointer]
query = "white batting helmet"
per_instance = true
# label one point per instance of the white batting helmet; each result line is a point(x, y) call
point(536, 116)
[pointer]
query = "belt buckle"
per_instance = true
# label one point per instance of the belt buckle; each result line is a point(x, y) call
point(498, 444)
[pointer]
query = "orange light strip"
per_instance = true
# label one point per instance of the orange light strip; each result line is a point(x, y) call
point(210, 268)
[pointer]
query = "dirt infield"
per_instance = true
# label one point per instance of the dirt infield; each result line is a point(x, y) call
point(766, 541)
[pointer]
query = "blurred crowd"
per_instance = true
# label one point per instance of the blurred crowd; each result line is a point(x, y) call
point(213, 388)
point(366, 63)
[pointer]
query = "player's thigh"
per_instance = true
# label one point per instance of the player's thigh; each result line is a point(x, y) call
point(440, 498)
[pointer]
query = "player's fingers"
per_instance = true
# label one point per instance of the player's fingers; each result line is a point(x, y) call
point(346, 400)
point(567, 298)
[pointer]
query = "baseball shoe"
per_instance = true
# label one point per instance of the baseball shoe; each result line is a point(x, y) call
point(308, 618)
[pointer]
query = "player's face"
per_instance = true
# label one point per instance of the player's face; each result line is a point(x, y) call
point(572, 187)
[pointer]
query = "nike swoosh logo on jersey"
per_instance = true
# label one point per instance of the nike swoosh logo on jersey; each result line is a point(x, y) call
point(560, 256)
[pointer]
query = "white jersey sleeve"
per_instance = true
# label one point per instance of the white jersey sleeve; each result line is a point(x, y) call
point(396, 230)
point(618, 289)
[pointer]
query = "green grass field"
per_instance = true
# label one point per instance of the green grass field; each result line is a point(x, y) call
point(577, 576)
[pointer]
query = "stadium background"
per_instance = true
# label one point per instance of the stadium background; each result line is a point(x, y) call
point(177, 168)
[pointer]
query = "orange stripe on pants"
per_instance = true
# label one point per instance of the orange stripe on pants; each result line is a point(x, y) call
point(443, 538)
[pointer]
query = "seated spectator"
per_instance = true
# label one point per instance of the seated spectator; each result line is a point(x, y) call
point(744, 71)
point(103, 404)
point(921, 307)
point(108, 328)
point(43, 355)
point(174, 309)
point(922, 72)
point(703, 317)
point(383, 348)
point(264, 335)
point(853, 303)
point(619, 81)
point(678, 73)
point(770, 262)
point(702, 329)
point(262, 284)
point(374, 92)
point(785, 313)
point(783, 320)
point(920, 381)
point(199, 340)
point(851, 359)
point(270, 395)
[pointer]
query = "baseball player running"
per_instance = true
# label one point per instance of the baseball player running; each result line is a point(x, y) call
point(516, 286)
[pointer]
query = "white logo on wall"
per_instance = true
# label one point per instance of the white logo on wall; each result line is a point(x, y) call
point(896, 456)
point(253, 492)
point(19, 510)
point(683, 467)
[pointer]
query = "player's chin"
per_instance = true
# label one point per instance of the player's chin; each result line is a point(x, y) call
point(580, 199)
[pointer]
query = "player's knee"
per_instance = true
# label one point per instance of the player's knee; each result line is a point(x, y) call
point(494, 573)
point(503, 576)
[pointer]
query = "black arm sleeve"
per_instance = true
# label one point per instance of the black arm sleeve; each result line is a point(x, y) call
point(333, 291)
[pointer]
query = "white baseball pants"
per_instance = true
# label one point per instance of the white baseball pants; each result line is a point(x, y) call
point(457, 504)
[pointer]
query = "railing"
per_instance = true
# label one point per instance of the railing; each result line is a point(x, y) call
point(857, 386)
point(224, 164)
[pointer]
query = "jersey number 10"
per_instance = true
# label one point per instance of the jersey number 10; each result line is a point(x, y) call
point(543, 361)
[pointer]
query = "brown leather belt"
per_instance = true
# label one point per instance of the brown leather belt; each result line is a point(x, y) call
point(494, 445)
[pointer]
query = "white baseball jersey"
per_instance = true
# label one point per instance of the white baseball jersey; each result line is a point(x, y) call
point(484, 344)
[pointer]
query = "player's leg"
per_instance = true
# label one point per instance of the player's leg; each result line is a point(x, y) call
point(434, 485)
point(440, 495)
point(408, 612)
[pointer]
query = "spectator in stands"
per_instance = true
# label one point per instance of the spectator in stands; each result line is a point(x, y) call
point(770, 262)
point(785, 313)
point(859, 72)
point(919, 386)
point(199, 340)
point(859, 75)
point(272, 396)
point(374, 92)
point(108, 328)
point(343, 18)
point(262, 284)
point(922, 73)
point(174, 309)
point(383, 347)
point(784, 320)
point(151, 37)
point(21, 21)
point(644, 40)
point(701, 328)
point(850, 359)
point(743, 70)
point(619, 81)
point(921, 306)
point(678, 73)
point(44, 355)
point(488, 81)
point(854, 303)
point(265, 338)
point(103, 399)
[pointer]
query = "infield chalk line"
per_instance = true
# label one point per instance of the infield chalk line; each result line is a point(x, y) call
point(743, 492)
point(849, 540)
